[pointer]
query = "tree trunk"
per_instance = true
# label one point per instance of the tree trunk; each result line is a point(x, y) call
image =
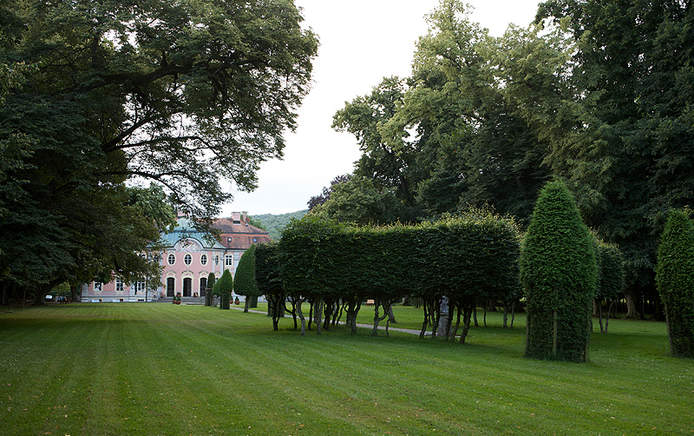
point(317, 313)
point(505, 325)
point(632, 313)
point(245, 305)
point(513, 313)
point(474, 315)
point(554, 334)
point(599, 307)
point(301, 316)
point(377, 318)
point(607, 319)
point(75, 294)
point(391, 316)
point(310, 313)
point(484, 316)
point(457, 323)
point(425, 323)
point(468, 309)
point(449, 319)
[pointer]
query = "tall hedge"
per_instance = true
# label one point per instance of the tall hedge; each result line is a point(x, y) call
point(675, 280)
point(224, 286)
point(559, 275)
point(244, 281)
point(463, 257)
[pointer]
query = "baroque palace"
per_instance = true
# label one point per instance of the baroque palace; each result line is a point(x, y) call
point(187, 260)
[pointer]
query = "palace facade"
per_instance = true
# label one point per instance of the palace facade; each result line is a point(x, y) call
point(188, 259)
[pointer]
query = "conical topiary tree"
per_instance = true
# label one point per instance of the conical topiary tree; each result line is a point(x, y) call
point(224, 286)
point(244, 283)
point(675, 281)
point(559, 276)
point(208, 289)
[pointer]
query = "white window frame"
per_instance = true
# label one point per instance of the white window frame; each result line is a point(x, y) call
point(229, 260)
point(203, 259)
point(187, 259)
point(98, 286)
point(139, 286)
point(171, 256)
point(216, 260)
point(119, 285)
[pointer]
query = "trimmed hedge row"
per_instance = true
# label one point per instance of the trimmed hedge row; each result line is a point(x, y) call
point(463, 258)
point(675, 280)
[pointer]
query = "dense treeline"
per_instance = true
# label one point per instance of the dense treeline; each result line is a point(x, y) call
point(598, 94)
point(336, 267)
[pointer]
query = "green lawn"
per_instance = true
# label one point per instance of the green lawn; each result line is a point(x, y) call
point(165, 369)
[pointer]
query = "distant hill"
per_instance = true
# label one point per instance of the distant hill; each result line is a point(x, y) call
point(274, 224)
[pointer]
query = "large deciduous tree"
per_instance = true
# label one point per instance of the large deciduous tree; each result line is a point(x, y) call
point(97, 94)
point(628, 156)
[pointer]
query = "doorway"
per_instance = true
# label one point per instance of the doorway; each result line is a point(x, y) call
point(170, 285)
point(187, 286)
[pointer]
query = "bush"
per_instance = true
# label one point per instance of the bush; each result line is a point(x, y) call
point(224, 286)
point(209, 289)
point(675, 281)
point(559, 276)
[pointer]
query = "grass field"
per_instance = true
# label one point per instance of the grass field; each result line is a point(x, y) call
point(165, 369)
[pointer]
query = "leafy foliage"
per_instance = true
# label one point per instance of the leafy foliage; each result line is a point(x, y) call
point(94, 95)
point(269, 281)
point(463, 258)
point(559, 274)
point(675, 280)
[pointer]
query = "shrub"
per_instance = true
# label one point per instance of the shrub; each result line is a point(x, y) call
point(244, 282)
point(559, 276)
point(208, 291)
point(675, 280)
point(224, 286)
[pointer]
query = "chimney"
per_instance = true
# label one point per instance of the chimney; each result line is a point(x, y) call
point(244, 217)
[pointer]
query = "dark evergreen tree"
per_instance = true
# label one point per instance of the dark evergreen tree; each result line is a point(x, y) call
point(224, 286)
point(209, 293)
point(244, 280)
point(675, 280)
point(269, 281)
point(559, 275)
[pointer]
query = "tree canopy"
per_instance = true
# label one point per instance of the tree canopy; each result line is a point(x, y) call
point(114, 111)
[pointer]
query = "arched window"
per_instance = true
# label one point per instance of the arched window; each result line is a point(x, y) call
point(229, 260)
point(187, 259)
point(203, 259)
point(172, 259)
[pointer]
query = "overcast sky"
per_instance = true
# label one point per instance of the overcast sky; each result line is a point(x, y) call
point(361, 41)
